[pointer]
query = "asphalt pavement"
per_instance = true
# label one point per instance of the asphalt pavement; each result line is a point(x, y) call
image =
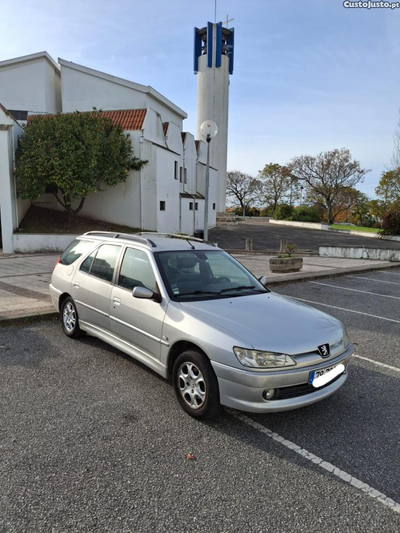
point(94, 441)
point(267, 237)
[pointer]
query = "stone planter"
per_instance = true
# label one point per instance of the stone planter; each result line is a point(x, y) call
point(285, 264)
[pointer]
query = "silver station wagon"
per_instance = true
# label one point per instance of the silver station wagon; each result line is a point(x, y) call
point(196, 316)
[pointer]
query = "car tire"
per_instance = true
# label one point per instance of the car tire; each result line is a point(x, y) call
point(196, 385)
point(70, 319)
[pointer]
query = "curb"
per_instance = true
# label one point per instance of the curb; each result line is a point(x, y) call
point(335, 272)
point(27, 318)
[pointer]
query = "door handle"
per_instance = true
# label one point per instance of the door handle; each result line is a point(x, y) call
point(116, 301)
point(77, 284)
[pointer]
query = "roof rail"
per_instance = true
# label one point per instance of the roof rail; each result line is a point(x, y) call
point(174, 236)
point(127, 236)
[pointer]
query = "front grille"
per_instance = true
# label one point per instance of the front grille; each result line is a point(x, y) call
point(299, 390)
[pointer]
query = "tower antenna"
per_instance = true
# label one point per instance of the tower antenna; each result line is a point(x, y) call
point(215, 11)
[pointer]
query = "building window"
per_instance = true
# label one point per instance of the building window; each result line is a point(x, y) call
point(19, 115)
point(214, 207)
point(185, 175)
point(196, 206)
point(190, 206)
point(176, 170)
point(162, 206)
point(181, 174)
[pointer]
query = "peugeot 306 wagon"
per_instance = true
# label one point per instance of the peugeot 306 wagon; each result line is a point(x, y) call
point(196, 316)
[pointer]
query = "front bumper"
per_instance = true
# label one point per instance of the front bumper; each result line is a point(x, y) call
point(243, 389)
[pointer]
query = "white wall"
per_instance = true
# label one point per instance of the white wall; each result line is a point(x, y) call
point(9, 131)
point(84, 88)
point(30, 86)
point(168, 191)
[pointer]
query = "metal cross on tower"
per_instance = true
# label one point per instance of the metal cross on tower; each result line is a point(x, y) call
point(227, 21)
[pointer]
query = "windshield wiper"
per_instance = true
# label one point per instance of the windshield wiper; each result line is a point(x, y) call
point(196, 293)
point(240, 288)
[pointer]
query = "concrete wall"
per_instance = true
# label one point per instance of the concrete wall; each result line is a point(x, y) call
point(212, 104)
point(349, 252)
point(11, 210)
point(366, 234)
point(310, 225)
point(84, 88)
point(24, 243)
point(32, 85)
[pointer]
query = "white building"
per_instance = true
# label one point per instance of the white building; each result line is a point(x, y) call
point(166, 195)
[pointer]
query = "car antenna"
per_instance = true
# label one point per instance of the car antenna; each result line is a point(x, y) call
point(191, 245)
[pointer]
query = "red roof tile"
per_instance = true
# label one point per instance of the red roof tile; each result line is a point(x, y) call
point(129, 119)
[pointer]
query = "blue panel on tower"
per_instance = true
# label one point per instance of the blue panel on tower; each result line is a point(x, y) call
point(218, 51)
point(209, 43)
point(197, 50)
point(230, 45)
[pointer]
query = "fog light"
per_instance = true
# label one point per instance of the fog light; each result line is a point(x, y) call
point(268, 394)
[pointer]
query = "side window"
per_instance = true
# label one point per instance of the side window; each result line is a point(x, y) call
point(75, 250)
point(104, 262)
point(87, 263)
point(136, 271)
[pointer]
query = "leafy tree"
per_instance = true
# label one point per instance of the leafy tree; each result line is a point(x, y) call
point(361, 215)
point(72, 155)
point(327, 174)
point(283, 211)
point(389, 185)
point(391, 220)
point(275, 183)
point(377, 208)
point(242, 188)
point(346, 201)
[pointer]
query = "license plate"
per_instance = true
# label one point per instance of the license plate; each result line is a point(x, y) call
point(318, 378)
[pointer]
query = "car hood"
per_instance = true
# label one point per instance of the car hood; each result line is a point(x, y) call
point(271, 322)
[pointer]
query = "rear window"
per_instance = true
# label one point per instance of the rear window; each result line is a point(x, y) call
point(75, 250)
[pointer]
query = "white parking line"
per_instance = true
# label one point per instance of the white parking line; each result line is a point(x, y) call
point(355, 290)
point(377, 363)
point(341, 474)
point(344, 309)
point(372, 279)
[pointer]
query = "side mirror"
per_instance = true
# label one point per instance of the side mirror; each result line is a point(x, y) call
point(263, 280)
point(146, 294)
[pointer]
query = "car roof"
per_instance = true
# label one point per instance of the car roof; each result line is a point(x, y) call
point(156, 242)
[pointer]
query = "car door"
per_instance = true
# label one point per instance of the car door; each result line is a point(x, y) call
point(92, 285)
point(135, 320)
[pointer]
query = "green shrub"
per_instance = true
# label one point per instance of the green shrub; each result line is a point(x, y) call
point(391, 221)
point(283, 211)
point(306, 214)
point(267, 212)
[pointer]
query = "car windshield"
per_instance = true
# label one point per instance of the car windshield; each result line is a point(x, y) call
point(205, 275)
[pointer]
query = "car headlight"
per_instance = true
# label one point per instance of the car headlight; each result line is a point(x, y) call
point(258, 359)
point(346, 339)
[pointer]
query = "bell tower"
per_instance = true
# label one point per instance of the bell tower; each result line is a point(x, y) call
point(213, 63)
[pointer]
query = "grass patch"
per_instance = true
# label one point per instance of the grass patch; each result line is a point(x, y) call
point(41, 220)
point(355, 228)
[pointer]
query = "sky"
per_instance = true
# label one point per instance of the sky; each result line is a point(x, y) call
point(309, 75)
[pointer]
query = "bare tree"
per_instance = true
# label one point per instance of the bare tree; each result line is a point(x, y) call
point(396, 150)
point(242, 188)
point(276, 183)
point(327, 174)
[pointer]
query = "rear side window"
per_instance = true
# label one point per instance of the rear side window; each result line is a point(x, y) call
point(105, 261)
point(75, 250)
